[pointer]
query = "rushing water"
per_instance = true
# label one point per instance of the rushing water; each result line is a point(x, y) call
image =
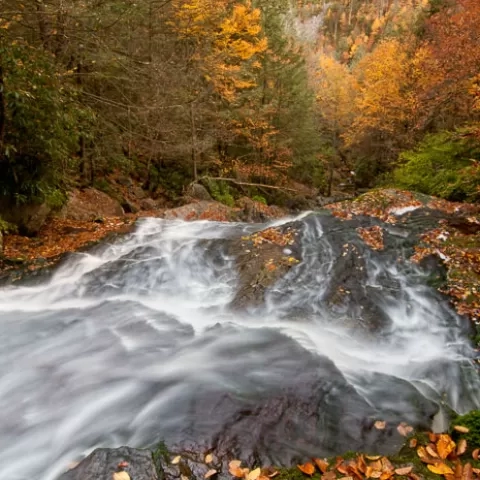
point(116, 345)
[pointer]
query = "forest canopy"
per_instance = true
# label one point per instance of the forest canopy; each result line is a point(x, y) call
point(269, 91)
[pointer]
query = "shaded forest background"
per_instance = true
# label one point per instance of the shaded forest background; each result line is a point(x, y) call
point(277, 92)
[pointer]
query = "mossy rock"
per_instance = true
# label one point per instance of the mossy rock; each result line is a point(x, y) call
point(472, 422)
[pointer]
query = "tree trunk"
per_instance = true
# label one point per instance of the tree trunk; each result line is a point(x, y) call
point(3, 113)
point(194, 142)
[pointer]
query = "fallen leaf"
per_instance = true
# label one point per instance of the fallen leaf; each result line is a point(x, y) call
point(461, 446)
point(431, 451)
point(380, 425)
point(476, 470)
point(386, 475)
point(329, 476)
point(387, 465)
point(373, 457)
point(345, 478)
point(376, 474)
point(445, 445)
point(362, 466)
point(342, 468)
point(234, 468)
point(467, 472)
point(414, 476)
point(403, 470)
point(321, 464)
point(440, 469)
point(210, 473)
point(404, 429)
point(413, 443)
point(476, 453)
point(176, 460)
point(433, 437)
point(184, 477)
point(307, 468)
point(120, 476)
point(461, 429)
point(254, 474)
point(209, 458)
point(458, 471)
point(377, 465)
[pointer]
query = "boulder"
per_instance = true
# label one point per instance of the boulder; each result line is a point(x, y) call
point(29, 218)
point(198, 192)
point(88, 204)
point(148, 204)
point(102, 463)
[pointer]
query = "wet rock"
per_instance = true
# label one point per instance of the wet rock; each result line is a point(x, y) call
point(103, 462)
point(89, 204)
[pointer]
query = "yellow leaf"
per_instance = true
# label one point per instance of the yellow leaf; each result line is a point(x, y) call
point(461, 429)
point(440, 469)
point(307, 468)
point(211, 473)
point(254, 474)
point(445, 445)
point(120, 476)
point(176, 460)
point(209, 458)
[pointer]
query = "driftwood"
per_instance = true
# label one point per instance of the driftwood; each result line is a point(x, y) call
point(248, 184)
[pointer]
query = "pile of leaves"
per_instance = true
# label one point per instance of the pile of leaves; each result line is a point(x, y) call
point(372, 236)
point(273, 235)
point(57, 237)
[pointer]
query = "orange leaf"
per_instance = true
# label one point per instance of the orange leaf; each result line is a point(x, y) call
point(467, 472)
point(234, 468)
point(440, 469)
point(445, 445)
point(413, 443)
point(307, 468)
point(321, 464)
point(403, 470)
point(433, 437)
point(329, 476)
point(461, 446)
point(476, 453)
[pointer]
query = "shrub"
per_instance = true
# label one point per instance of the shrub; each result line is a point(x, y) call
point(444, 165)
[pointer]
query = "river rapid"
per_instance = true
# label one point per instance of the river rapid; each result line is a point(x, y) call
point(135, 342)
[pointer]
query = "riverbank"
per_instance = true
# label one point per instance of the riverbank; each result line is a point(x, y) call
point(451, 455)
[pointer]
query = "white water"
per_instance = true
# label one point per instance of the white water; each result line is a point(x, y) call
point(123, 336)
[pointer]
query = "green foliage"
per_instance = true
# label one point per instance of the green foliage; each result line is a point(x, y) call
point(260, 199)
point(7, 227)
point(221, 192)
point(443, 165)
point(42, 125)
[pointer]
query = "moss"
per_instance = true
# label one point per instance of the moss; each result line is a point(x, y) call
point(472, 422)
point(160, 454)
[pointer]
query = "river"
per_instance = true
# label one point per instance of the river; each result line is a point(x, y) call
point(135, 342)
